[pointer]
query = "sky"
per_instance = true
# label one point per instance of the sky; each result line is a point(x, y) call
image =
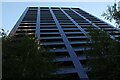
point(58, 0)
point(11, 11)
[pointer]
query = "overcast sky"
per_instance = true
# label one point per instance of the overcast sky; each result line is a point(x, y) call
point(11, 11)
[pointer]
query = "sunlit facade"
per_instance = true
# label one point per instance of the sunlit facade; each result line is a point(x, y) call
point(64, 31)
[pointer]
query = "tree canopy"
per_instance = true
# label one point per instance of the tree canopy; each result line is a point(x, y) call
point(24, 58)
point(112, 13)
point(103, 58)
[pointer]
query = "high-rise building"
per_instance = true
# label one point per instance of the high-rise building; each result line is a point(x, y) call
point(64, 31)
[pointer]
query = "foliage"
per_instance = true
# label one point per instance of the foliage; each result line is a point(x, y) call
point(103, 58)
point(24, 58)
point(112, 13)
point(3, 34)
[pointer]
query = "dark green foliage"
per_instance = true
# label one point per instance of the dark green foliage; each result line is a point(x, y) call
point(3, 34)
point(103, 59)
point(112, 13)
point(25, 58)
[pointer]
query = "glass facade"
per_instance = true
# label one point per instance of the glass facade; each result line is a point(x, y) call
point(64, 31)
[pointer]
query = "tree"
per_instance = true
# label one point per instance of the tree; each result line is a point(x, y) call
point(23, 58)
point(112, 13)
point(3, 34)
point(103, 58)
